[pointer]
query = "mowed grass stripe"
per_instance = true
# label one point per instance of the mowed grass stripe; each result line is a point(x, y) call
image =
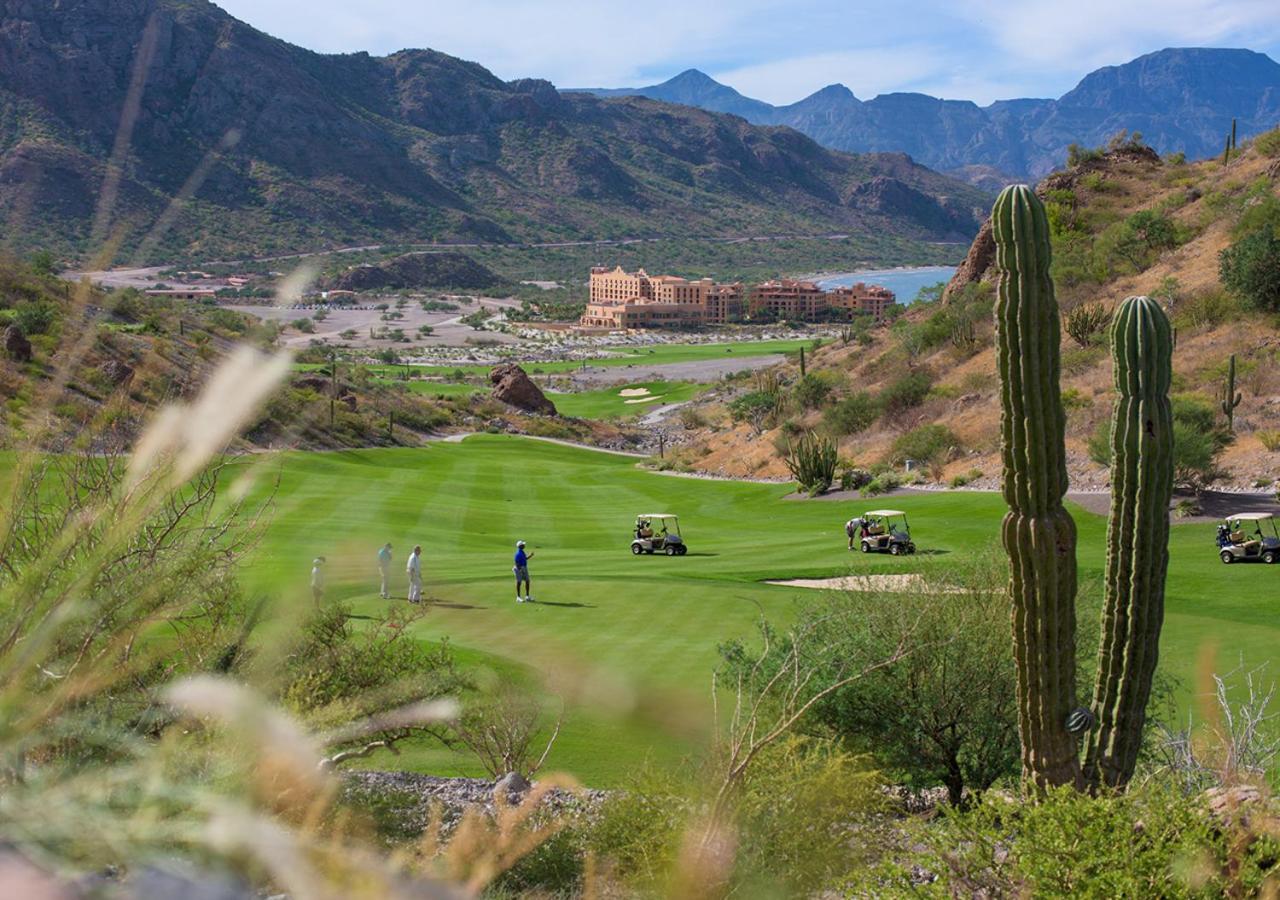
point(651, 625)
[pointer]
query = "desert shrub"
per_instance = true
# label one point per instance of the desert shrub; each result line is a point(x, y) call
point(811, 459)
point(1150, 842)
point(756, 408)
point(853, 479)
point(1197, 441)
point(1078, 155)
point(1270, 439)
point(1207, 309)
point(35, 317)
point(799, 803)
point(1250, 268)
point(881, 484)
point(500, 727)
point(306, 326)
point(852, 414)
point(1268, 143)
point(335, 673)
point(1085, 321)
point(961, 480)
point(691, 418)
point(923, 444)
point(906, 392)
point(943, 713)
point(812, 390)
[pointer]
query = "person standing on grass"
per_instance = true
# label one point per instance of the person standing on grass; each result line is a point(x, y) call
point(384, 569)
point(317, 580)
point(414, 568)
point(521, 569)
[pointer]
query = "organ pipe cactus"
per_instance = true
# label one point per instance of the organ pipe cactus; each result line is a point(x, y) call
point(1137, 537)
point(1039, 535)
point(1230, 396)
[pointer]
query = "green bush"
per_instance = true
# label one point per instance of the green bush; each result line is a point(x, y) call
point(906, 392)
point(1250, 268)
point(853, 414)
point(35, 317)
point(925, 444)
point(1150, 842)
point(756, 408)
point(1268, 143)
point(812, 390)
point(881, 484)
point(811, 460)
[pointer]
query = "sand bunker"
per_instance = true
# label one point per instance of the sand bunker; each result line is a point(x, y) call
point(900, 584)
point(644, 399)
point(633, 392)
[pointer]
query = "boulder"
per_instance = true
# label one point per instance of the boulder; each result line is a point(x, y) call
point(16, 345)
point(513, 387)
point(982, 253)
point(511, 787)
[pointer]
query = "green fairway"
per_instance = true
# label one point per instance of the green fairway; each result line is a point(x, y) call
point(630, 642)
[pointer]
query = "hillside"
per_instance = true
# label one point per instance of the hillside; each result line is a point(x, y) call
point(241, 144)
point(1182, 100)
point(925, 387)
point(93, 366)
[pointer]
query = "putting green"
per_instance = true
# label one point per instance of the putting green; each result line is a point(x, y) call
point(631, 641)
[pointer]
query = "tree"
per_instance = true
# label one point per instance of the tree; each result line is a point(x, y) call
point(854, 413)
point(945, 710)
point(1250, 268)
point(755, 408)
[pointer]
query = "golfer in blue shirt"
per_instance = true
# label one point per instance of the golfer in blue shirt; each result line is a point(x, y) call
point(521, 568)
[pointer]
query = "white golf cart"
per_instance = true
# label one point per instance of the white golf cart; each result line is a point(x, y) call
point(886, 531)
point(658, 533)
point(1249, 537)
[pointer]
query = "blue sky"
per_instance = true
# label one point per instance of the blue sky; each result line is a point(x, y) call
point(782, 50)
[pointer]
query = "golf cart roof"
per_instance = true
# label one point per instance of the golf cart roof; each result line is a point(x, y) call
point(886, 512)
point(1250, 517)
point(655, 516)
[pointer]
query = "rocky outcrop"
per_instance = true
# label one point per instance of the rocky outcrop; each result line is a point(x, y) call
point(515, 388)
point(417, 271)
point(982, 253)
point(16, 345)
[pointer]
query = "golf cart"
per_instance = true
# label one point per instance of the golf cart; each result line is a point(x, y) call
point(1245, 537)
point(882, 532)
point(658, 533)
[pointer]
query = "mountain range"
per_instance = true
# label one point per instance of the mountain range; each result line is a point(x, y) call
point(171, 130)
point(1180, 99)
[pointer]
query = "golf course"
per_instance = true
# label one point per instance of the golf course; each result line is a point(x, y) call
point(629, 643)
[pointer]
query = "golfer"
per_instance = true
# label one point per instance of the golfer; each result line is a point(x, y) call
point(384, 569)
point(521, 569)
point(317, 580)
point(414, 568)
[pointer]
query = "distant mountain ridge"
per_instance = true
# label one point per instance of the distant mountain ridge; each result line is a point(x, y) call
point(1181, 99)
point(245, 144)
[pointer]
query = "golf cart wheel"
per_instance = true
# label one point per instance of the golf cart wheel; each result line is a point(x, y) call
point(1227, 558)
point(866, 548)
point(1271, 557)
point(683, 550)
point(636, 549)
point(672, 550)
point(911, 548)
point(895, 549)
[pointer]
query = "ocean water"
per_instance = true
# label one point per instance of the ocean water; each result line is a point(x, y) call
point(906, 283)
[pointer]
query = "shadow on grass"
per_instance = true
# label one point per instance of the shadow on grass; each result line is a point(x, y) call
point(702, 554)
point(565, 605)
point(444, 605)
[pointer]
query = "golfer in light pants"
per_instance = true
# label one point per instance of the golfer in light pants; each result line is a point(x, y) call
point(414, 568)
point(384, 569)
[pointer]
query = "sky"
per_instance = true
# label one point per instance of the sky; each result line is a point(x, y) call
point(782, 50)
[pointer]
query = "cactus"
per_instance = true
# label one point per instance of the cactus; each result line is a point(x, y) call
point(1233, 134)
point(1226, 151)
point(1137, 537)
point(1039, 535)
point(802, 369)
point(1230, 396)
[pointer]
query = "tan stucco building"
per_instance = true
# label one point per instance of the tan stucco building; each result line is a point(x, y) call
point(621, 300)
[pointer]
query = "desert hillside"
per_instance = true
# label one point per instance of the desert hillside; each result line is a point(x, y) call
point(924, 387)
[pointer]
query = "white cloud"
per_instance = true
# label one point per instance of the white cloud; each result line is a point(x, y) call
point(782, 50)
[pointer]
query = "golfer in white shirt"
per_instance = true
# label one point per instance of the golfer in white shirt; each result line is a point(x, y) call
point(414, 568)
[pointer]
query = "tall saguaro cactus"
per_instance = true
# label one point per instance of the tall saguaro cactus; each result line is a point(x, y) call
point(1039, 534)
point(1137, 537)
point(1230, 396)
